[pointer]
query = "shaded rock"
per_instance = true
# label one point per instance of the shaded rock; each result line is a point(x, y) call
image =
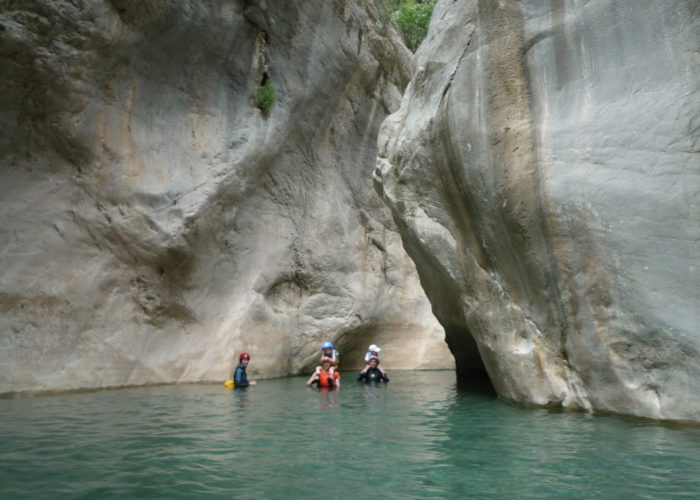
point(544, 173)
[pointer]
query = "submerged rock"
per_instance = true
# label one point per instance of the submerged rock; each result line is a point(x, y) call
point(544, 173)
point(159, 217)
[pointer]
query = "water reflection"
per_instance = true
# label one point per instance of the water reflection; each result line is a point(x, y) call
point(421, 435)
point(536, 453)
point(372, 396)
point(476, 383)
point(240, 395)
point(329, 398)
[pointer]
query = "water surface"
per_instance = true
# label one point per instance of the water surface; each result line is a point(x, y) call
point(417, 437)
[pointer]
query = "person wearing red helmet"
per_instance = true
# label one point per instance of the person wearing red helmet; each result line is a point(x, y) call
point(240, 377)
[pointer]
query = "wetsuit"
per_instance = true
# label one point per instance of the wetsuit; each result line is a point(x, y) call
point(240, 377)
point(372, 375)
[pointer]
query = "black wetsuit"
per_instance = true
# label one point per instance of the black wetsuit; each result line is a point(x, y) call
point(239, 376)
point(372, 375)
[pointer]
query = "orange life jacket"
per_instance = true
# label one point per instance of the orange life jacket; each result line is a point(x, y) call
point(324, 378)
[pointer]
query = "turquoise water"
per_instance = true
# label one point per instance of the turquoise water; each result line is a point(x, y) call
point(417, 437)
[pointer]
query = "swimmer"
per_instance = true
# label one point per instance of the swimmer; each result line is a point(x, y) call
point(325, 376)
point(240, 378)
point(372, 372)
point(374, 353)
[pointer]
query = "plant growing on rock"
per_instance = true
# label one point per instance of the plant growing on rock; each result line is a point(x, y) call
point(413, 17)
point(265, 96)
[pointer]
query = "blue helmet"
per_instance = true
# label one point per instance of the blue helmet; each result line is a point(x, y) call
point(327, 345)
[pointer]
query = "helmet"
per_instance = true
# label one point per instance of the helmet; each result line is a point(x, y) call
point(374, 348)
point(327, 345)
point(244, 355)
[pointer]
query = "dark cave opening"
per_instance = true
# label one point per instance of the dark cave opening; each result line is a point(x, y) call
point(471, 373)
point(472, 376)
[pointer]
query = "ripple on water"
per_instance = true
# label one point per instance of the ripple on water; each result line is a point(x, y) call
point(416, 437)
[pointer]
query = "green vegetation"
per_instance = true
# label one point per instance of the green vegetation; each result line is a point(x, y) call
point(413, 17)
point(265, 96)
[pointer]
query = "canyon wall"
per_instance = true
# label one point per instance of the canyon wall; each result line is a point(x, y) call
point(544, 172)
point(157, 219)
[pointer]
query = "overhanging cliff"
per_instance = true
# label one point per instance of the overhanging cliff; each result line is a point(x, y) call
point(544, 172)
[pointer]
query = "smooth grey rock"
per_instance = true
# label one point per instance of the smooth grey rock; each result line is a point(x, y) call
point(544, 172)
point(156, 223)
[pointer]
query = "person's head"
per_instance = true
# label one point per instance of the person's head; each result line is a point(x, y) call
point(244, 358)
point(326, 363)
point(327, 347)
point(374, 349)
point(373, 361)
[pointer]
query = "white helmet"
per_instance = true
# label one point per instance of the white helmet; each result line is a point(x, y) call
point(374, 348)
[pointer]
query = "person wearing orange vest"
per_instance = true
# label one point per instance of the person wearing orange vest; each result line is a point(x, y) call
point(326, 376)
point(327, 351)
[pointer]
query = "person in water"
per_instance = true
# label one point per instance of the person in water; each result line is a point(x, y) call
point(240, 378)
point(326, 376)
point(372, 372)
point(327, 351)
point(374, 353)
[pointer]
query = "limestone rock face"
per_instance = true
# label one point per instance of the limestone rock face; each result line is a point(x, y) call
point(156, 222)
point(544, 172)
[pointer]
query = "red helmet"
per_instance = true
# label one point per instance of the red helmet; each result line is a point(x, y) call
point(244, 355)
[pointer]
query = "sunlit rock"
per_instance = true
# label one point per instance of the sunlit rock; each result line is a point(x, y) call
point(158, 219)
